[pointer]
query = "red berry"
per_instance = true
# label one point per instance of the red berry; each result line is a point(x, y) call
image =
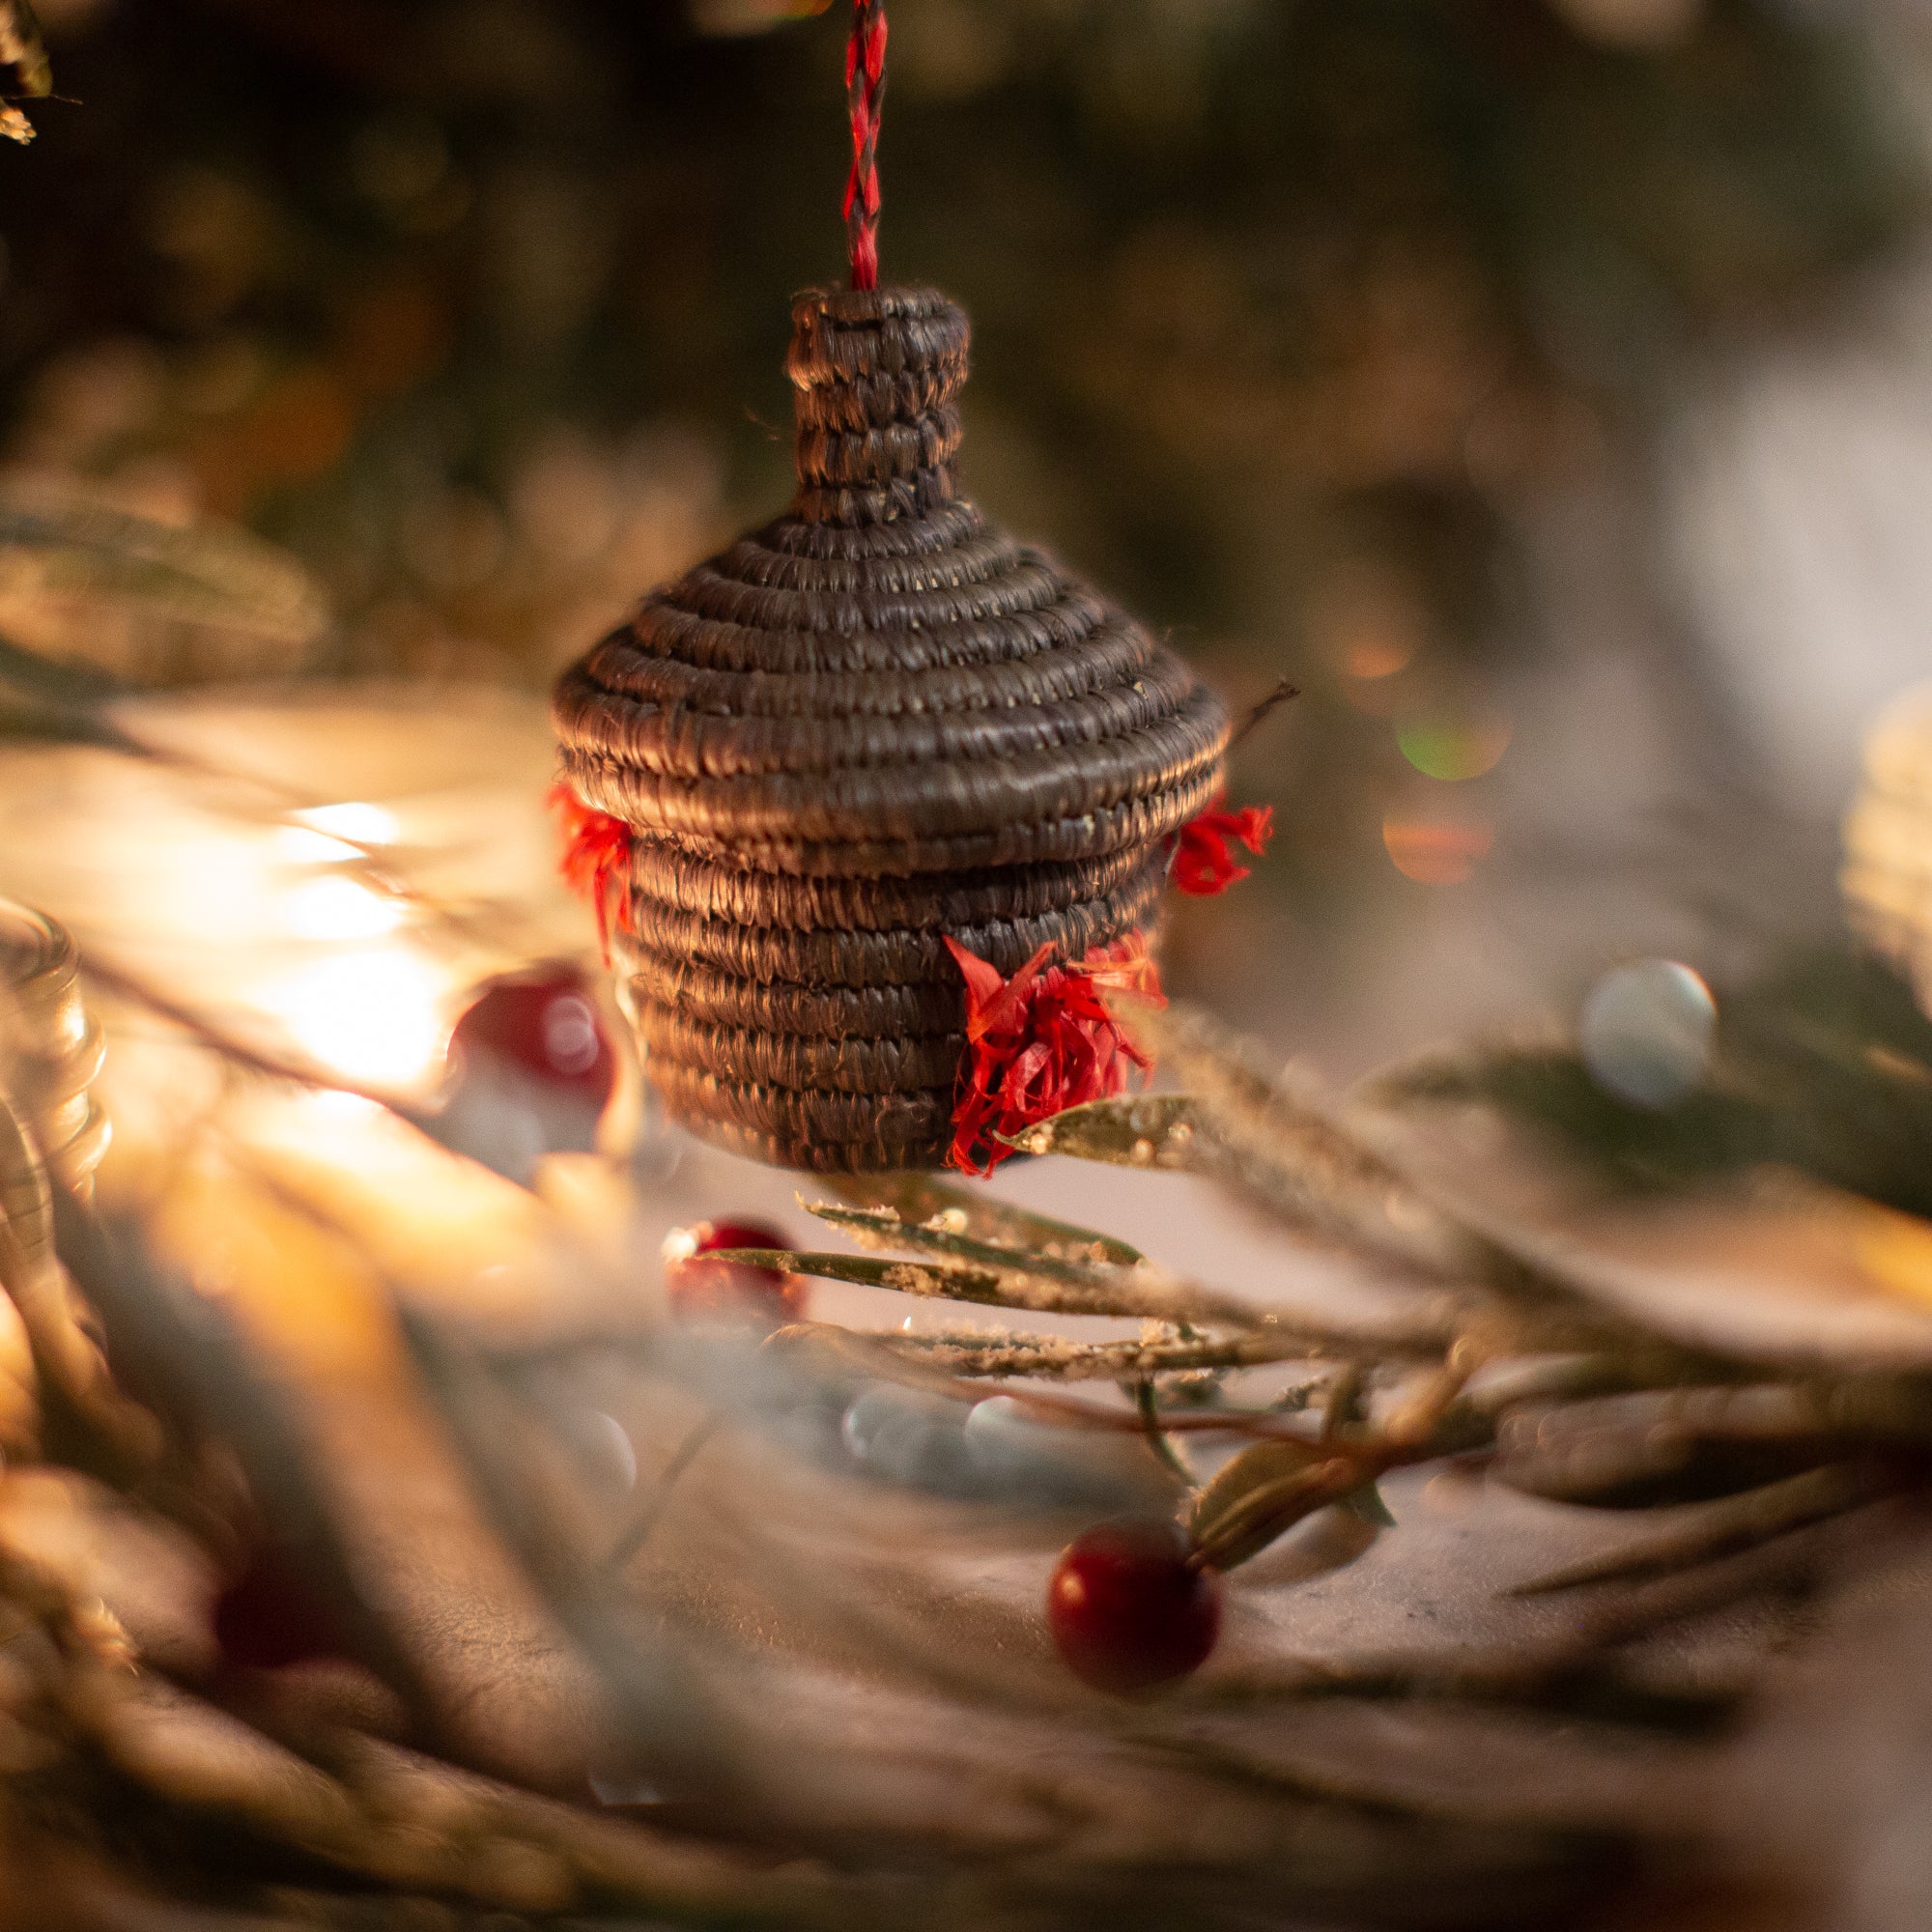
point(545, 1024)
point(268, 1617)
point(1128, 1610)
point(702, 1287)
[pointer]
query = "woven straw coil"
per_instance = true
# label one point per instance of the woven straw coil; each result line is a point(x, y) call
point(875, 722)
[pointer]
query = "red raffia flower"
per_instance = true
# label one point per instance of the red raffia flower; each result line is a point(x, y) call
point(1041, 1041)
point(596, 859)
point(1203, 865)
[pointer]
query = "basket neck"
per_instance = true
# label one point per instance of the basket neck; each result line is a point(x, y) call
point(876, 374)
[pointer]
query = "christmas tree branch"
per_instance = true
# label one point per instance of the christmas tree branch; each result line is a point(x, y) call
point(923, 1199)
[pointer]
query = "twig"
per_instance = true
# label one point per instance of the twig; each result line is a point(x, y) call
point(1711, 1530)
point(970, 1352)
point(1150, 1416)
point(921, 1199)
point(638, 1532)
point(979, 1272)
point(1260, 710)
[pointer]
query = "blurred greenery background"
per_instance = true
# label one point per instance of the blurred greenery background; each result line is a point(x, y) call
point(1355, 341)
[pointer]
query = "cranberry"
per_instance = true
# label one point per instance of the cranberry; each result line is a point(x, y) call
point(544, 1024)
point(1128, 1610)
point(268, 1617)
point(702, 1287)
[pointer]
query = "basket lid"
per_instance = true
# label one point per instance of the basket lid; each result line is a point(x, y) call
point(882, 681)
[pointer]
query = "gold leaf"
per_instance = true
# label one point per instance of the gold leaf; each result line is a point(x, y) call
point(1267, 1489)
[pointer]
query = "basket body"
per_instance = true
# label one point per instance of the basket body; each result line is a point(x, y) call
point(876, 722)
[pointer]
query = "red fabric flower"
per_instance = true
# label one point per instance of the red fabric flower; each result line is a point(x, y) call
point(1041, 1041)
point(596, 860)
point(1203, 865)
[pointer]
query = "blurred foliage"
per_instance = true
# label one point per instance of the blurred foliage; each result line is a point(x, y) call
point(1824, 1065)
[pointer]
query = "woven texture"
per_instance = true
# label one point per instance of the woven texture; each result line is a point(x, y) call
point(878, 721)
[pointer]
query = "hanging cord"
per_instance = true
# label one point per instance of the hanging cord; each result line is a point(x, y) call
point(865, 94)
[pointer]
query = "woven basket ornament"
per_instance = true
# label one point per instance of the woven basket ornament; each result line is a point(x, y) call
point(872, 725)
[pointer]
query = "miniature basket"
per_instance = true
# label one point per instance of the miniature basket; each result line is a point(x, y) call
point(876, 722)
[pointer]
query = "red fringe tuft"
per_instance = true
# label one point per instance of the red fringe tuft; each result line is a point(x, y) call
point(596, 856)
point(1042, 1041)
point(1203, 865)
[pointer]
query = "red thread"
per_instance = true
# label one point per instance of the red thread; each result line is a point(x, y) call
point(865, 96)
point(1041, 1042)
point(1203, 865)
point(596, 856)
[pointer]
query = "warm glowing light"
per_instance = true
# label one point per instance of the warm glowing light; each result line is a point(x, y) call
point(1895, 1249)
point(299, 845)
point(334, 908)
point(680, 1244)
point(360, 823)
point(373, 1014)
point(332, 1104)
point(1453, 747)
point(210, 887)
point(325, 835)
point(1435, 852)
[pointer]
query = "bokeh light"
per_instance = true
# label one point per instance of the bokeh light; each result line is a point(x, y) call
point(334, 908)
point(1367, 625)
point(1443, 745)
point(356, 820)
point(1646, 1030)
point(1436, 851)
